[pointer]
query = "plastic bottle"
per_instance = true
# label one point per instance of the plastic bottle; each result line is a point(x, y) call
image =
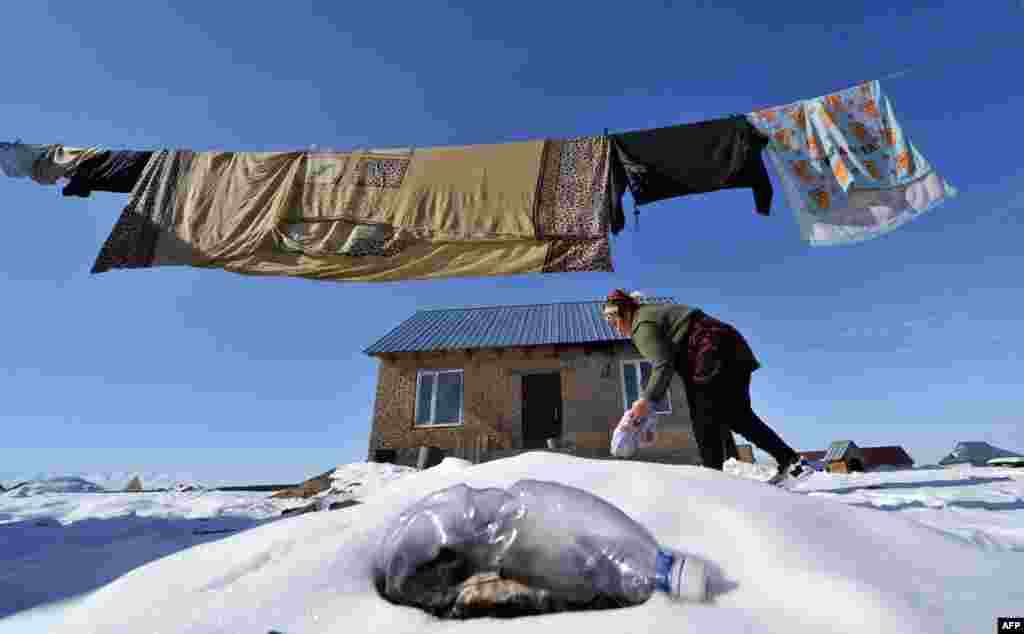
point(543, 534)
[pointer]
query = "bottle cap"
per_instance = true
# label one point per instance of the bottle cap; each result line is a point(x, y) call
point(688, 579)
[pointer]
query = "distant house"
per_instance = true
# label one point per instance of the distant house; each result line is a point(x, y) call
point(488, 382)
point(976, 453)
point(844, 456)
point(135, 486)
point(889, 456)
point(745, 453)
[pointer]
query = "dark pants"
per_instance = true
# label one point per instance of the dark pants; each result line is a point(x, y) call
point(725, 402)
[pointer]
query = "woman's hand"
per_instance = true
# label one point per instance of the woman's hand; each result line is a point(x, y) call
point(641, 408)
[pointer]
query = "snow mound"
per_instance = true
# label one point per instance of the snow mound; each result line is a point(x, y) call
point(778, 562)
point(361, 480)
point(69, 484)
point(451, 464)
point(760, 472)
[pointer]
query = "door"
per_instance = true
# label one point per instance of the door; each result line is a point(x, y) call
point(542, 409)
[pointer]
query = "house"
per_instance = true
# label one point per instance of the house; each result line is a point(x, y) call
point(889, 456)
point(135, 486)
point(843, 456)
point(976, 453)
point(488, 382)
point(745, 453)
point(848, 457)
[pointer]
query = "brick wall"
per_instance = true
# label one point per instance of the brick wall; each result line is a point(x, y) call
point(595, 400)
point(486, 409)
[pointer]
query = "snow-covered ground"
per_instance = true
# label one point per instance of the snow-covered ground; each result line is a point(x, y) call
point(361, 480)
point(53, 546)
point(60, 539)
point(905, 551)
point(983, 506)
point(67, 484)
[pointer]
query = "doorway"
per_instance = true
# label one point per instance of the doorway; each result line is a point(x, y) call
point(542, 409)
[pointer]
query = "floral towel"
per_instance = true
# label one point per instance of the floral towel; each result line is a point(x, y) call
point(848, 170)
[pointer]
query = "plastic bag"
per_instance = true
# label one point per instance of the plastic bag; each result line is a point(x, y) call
point(566, 546)
point(632, 434)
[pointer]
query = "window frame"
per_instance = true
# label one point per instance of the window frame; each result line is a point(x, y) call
point(635, 364)
point(436, 372)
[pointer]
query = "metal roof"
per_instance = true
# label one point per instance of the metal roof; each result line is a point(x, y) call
point(872, 456)
point(501, 327)
point(839, 449)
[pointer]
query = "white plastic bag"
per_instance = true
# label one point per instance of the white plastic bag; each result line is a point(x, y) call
point(632, 434)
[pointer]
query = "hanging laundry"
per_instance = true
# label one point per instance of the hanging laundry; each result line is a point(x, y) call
point(531, 207)
point(60, 162)
point(510, 191)
point(691, 159)
point(108, 171)
point(848, 170)
point(17, 159)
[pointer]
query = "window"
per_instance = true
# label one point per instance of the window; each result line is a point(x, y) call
point(635, 375)
point(439, 397)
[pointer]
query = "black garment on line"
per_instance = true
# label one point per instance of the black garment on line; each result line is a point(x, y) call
point(110, 171)
point(615, 188)
point(692, 158)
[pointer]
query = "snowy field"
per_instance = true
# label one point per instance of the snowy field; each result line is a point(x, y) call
point(905, 551)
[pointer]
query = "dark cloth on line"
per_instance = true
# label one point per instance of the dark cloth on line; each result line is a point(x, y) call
point(615, 188)
point(690, 159)
point(109, 171)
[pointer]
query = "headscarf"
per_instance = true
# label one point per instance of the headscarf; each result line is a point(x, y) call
point(618, 299)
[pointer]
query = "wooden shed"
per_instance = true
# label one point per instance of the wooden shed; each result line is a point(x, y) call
point(135, 486)
point(844, 456)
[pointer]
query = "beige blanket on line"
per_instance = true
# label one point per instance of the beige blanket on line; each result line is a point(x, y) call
point(529, 207)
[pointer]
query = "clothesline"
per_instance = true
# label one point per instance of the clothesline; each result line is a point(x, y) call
point(900, 74)
point(889, 77)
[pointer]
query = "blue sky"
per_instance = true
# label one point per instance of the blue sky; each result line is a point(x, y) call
point(911, 339)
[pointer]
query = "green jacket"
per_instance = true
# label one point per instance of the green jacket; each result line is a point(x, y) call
point(659, 333)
